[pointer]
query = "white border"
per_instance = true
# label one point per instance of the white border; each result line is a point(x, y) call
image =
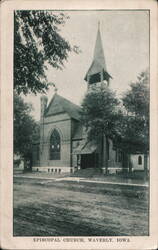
point(7, 7)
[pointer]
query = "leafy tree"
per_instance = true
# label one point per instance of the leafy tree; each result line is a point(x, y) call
point(135, 125)
point(136, 100)
point(100, 115)
point(26, 129)
point(37, 44)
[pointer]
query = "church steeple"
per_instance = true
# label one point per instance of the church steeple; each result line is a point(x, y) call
point(98, 70)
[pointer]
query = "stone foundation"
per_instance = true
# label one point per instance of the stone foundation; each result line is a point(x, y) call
point(53, 170)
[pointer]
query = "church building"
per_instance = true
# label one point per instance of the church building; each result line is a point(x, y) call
point(63, 145)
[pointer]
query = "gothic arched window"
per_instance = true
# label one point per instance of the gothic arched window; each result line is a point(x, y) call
point(55, 145)
point(139, 160)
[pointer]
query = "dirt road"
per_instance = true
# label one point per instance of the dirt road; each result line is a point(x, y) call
point(47, 208)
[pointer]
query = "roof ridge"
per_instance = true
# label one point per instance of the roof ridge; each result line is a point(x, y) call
point(50, 102)
point(68, 101)
point(66, 105)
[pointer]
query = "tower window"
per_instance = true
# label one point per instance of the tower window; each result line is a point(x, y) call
point(139, 160)
point(55, 145)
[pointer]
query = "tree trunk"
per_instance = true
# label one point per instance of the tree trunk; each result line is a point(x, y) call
point(129, 164)
point(31, 163)
point(25, 165)
point(104, 154)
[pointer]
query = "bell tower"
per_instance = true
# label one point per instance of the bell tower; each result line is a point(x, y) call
point(97, 74)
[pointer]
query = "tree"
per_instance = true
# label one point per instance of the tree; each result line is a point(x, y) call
point(100, 114)
point(26, 129)
point(135, 129)
point(37, 43)
point(136, 100)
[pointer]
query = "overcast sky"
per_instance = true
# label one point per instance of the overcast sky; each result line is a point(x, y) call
point(125, 38)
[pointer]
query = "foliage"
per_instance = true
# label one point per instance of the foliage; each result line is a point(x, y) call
point(26, 130)
point(136, 100)
point(135, 125)
point(128, 128)
point(100, 112)
point(37, 43)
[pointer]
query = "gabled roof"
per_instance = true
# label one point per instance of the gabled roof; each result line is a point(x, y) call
point(59, 104)
point(86, 147)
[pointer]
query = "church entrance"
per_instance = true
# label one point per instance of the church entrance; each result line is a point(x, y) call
point(89, 161)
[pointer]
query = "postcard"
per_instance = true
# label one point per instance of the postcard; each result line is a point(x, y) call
point(79, 117)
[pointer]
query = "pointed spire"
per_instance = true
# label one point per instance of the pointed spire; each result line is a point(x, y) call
point(98, 50)
point(98, 65)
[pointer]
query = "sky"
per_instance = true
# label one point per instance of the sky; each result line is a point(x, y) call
point(125, 39)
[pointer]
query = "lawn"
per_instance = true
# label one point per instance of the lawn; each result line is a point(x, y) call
point(48, 208)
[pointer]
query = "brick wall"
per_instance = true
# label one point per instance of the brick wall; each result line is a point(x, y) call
point(62, 123)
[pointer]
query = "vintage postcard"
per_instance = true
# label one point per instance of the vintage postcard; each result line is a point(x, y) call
point(79, 117)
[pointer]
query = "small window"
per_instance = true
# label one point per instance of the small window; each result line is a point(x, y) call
point(139, 160)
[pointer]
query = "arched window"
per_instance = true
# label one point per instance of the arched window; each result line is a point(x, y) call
point(139, 160)
point(55, 145)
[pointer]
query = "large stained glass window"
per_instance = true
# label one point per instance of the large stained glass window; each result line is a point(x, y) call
point(55, 145)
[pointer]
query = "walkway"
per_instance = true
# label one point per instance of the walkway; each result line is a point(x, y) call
point(84, 180)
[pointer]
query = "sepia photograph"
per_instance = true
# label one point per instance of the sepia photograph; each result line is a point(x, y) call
point(81, 99)
point(78, 131)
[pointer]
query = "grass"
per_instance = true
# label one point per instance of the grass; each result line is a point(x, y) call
point(96, 174)
point(44, 208)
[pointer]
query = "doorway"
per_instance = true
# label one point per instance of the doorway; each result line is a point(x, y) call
point(89, 161)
